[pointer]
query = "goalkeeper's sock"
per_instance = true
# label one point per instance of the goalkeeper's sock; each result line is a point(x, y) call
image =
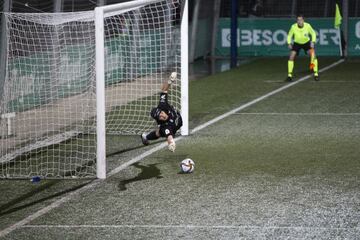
point(290, 68)
point(152, 136)
point(316, 67)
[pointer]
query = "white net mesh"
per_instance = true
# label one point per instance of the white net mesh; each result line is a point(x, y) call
point(142, 48)
point(48, 100)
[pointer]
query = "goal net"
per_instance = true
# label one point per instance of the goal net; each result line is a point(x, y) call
point(49, 105)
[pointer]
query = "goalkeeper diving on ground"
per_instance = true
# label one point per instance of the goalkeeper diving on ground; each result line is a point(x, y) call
point(166, 116)
point(304, 38)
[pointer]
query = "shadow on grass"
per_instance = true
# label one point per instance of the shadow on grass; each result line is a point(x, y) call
point(131, 148)
point(147, 172)
point(8, 207)
point(124, 151)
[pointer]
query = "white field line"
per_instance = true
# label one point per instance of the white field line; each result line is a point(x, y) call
point(190, 226)
point(327, 81)
point(297, 114)
point(147, 153)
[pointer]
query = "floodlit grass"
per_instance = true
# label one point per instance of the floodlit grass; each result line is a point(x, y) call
point(286, 167)
point(222, 92)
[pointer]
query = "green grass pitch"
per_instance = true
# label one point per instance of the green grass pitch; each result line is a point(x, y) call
point(287, 167)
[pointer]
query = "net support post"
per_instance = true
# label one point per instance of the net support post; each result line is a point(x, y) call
point(345, 25)
point(233, 33)
point(185, 70)
point(100, 94)
point(193, 35)
point(8, 117)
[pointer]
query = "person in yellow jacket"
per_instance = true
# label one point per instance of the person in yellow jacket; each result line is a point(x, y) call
point(302, 36)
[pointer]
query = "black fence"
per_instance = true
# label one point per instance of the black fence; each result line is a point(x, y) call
point(288, 8)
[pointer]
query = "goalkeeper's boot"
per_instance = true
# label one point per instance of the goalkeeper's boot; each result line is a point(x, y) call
point(316, 77)
point(288, 79)
point(144, 139)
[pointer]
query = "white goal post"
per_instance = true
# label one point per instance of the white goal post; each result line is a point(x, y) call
point(100, 12)
point(73, 78)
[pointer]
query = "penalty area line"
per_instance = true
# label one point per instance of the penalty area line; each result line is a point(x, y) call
point(158, 147)
point(191, 227)
point(327, 81)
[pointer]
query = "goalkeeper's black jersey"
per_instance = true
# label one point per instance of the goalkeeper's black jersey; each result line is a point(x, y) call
point(174, 122)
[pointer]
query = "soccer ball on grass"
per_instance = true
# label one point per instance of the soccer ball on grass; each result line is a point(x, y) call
point(187, 165)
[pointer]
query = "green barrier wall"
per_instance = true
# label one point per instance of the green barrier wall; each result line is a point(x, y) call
point(354, 37)
point(267, 37)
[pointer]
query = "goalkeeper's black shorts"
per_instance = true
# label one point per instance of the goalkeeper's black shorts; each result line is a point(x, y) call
point(171, 127)
point(297, 47)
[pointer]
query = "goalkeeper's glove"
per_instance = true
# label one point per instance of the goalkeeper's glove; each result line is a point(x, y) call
point(172, 78)
point(172, 146)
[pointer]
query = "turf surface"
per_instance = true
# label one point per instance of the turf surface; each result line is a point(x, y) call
point(285, 168)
